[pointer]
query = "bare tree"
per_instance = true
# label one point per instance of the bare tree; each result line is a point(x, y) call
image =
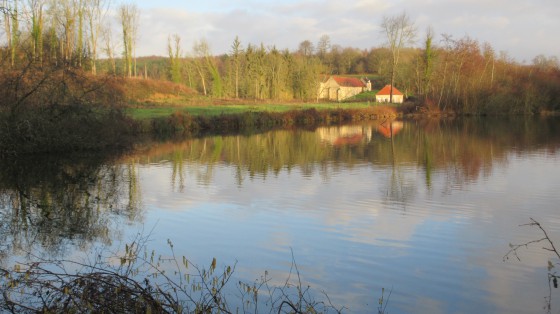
point(306, 48)
point(5, 9)
point(80, 11)
point(14, 31)
point(201, 50)
point(36, 10)
point(400, 31)
point(323, 51)
point(109, 47)
point(323, 46)
point(64, 14)
point(95, 13)
point(129, 15)
point(205, 63)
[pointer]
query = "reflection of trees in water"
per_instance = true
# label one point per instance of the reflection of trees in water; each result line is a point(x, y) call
point(47, 203)
point(400, 190)
point(465, 149)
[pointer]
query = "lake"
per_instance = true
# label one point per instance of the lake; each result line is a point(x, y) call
point(426, 210)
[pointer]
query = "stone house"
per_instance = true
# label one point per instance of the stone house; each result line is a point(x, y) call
point(384, 95)
point(339, 88)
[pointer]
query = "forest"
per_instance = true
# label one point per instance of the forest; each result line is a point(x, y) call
point(440, 72)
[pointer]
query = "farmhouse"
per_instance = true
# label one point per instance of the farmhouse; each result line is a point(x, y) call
point(339, 88)
point(384, 95)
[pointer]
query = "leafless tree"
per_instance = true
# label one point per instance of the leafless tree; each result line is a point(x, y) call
point(109, 47)
point(11, 26)
point(36, 10)
point(95, 14)
point(400, 31)
point(129, 17)
point(306, 48)
point(201, 51)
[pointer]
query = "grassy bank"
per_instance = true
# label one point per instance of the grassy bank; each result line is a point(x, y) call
point(150, 112)
point(181, 122)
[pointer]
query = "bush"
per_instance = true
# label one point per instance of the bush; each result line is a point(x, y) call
point(57, 110)
point(135, 282)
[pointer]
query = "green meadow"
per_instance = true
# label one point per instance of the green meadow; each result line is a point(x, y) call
point(150, 112)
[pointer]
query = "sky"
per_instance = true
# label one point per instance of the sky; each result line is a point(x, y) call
point(522, 28)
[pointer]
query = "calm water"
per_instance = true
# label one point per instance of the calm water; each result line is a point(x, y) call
point(429, 212)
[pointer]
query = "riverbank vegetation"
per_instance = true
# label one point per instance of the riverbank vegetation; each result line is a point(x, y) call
point(59, 109)
point(139, 281)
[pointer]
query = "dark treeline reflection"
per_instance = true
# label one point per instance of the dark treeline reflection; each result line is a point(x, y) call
point(48, 203)
point(464, 148)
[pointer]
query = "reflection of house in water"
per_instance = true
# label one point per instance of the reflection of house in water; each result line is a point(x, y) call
point(356, 134)
point(390, 128)
point(345, 135)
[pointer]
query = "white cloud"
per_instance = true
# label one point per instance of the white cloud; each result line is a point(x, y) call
point(507, 26)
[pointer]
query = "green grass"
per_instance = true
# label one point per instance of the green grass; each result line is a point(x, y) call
point(365, 96)
point(215, 110)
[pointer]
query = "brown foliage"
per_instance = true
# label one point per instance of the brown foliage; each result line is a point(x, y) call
point(35, 87)
point(59, 109)
point(151, 91)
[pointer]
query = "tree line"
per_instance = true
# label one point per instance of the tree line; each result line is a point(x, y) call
point(442, 72)
point(67, 33)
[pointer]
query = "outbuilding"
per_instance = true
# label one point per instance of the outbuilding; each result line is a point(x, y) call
point(384, 95)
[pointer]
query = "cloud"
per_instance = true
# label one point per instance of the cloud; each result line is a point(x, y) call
point(350, 24)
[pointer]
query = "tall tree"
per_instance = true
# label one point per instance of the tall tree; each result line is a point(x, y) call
point(236, 52)
point(95, 14)
point(14, 32)
point(323, 49)
point(36, 9)
point(255, 68)
point(323, 46)
point(6, 12)
point(65, 19)
point(80, 49)
point(428, 62)
point(200, 50)
point(306, 48)
point(109, 48)
point(174, 50)
point(129, 16)
point(400, 31)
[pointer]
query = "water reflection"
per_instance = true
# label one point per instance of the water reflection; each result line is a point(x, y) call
point(428, 209)
point(49, 205)
point(465, 149)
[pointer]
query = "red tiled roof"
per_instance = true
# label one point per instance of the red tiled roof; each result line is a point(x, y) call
point(349, 81)
point(387, 91)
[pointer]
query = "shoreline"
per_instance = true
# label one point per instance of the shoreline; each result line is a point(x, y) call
point(88, 131)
